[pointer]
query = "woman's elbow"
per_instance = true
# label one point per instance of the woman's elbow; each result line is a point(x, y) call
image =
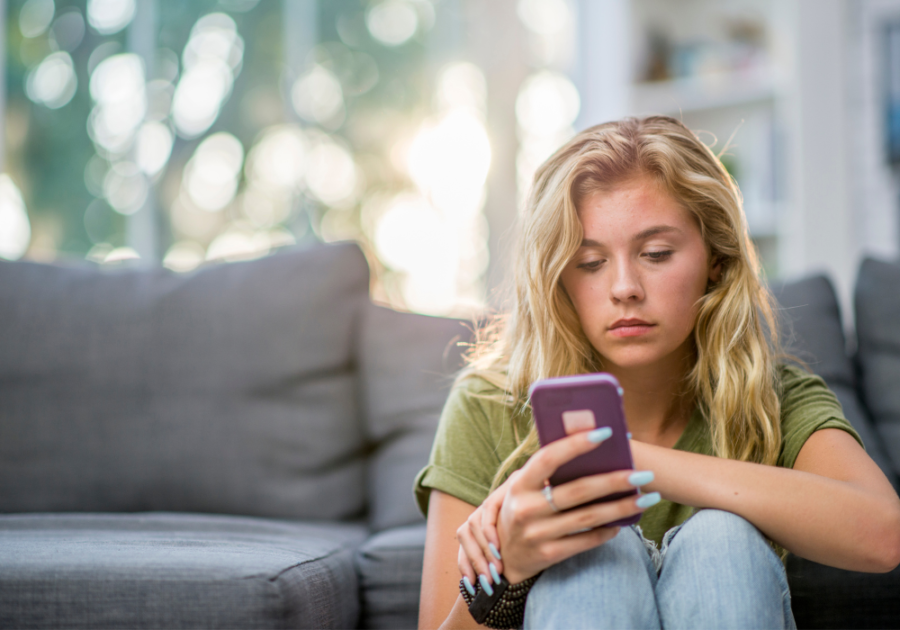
point(885, 556)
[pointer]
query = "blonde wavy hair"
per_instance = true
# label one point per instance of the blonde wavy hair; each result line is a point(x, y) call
point(734, 378)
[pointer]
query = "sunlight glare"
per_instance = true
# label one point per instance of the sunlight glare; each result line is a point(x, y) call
point(449, 162)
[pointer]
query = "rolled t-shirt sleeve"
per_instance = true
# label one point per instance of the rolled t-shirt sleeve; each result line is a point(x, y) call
point(807, 406)
point(464, 456)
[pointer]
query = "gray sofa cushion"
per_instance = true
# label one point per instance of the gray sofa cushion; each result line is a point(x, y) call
point(390, 575)
point(407, 363)
point(811, 326)
point(228, 390)
point(161, 570)
point(878, 333)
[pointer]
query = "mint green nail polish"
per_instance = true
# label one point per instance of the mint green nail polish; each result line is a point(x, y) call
point(598, 435)
point(640, 478)
point(482, 579)
point(468, 584)
point(647, 500)
point(494, 573)
point(494, 551)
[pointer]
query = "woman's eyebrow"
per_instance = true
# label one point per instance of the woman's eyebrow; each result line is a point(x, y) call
point(640, 236)
point(653, 231)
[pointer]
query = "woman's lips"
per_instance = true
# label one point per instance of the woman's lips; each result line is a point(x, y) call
point(630, 329)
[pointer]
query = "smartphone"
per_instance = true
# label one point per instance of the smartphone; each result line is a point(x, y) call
point(570, 404)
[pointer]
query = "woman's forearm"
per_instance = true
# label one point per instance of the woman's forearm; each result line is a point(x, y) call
point(836, 522)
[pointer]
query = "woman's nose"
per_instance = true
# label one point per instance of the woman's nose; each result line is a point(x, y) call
point(626, 284)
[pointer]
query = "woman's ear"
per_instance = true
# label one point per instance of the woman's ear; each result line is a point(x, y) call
point(715, 270)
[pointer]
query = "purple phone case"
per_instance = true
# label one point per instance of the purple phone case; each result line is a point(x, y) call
point(550, 397)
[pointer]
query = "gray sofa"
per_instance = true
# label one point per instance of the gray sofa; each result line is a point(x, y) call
point(235, 447)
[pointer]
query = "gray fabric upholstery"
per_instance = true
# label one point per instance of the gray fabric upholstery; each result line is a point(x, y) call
point(877, 303)
point(159, 570)
point(228, 390)
point(812, 331)
point(406, 365)
point(390, 574)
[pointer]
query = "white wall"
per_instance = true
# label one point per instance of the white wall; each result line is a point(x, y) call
point(842, 195)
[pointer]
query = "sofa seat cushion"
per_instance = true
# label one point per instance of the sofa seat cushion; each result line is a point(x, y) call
point(390, 575)
point(167, 570)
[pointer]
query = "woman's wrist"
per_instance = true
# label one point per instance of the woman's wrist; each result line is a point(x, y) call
point(515, 577)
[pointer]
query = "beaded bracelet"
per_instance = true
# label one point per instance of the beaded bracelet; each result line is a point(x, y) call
point(502, 610)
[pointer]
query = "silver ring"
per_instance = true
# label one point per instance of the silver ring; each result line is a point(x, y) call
point(548, 494)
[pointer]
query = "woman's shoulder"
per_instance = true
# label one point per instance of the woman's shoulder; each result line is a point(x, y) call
point(807, 406)
point(794, 380)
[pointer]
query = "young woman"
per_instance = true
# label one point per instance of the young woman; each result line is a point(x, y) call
point(634, 259)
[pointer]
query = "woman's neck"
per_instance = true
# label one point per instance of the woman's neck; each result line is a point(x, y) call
point(657, 409)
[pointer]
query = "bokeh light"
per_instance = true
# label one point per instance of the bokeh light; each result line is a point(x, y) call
point(331, 174)
point(118, 89)
point(121, 255)
point(449, 162)
point(212, 58)
point(110, 16)
point(153, 147)
point(125, 187)
point(546, 108)
point(35, 17)
point(239, 242)
point(211, 176)
point(53, 82)
point(544, 17)
point(184, 256)
point(392, 22)
point(462, 86)
point(547, 104)
point(68, 29)
point(317, 97)
point(278, 159)
point(15, 229)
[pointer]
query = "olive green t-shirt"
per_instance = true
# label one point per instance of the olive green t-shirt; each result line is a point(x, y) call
point(477, 432)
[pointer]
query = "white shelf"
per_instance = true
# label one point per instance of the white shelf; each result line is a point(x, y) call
point(709, 91)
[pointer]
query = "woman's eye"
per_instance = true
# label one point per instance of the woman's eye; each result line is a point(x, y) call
point(658, 256)
point(592, 265)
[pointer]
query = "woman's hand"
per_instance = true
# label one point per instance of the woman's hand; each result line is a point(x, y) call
point(522, 526)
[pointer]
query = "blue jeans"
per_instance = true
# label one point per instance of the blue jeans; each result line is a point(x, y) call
point(714, 571)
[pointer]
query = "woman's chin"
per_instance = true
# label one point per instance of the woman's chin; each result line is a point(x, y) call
point(635, 359)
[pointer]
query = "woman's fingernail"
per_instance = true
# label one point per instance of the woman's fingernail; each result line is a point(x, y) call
point(494, 573)
point(494, 551)
point(482, 579)
point(628, 435)
point(598, 435)
point(647, 500)
point(468, 584)
point(640, 478)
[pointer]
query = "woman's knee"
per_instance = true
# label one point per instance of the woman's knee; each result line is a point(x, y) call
point(725, 547)
point(717, 531)
point(624, 554)
point(719, 569)
point(613, 582)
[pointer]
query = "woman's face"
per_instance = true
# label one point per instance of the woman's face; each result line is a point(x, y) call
point(636, 279)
